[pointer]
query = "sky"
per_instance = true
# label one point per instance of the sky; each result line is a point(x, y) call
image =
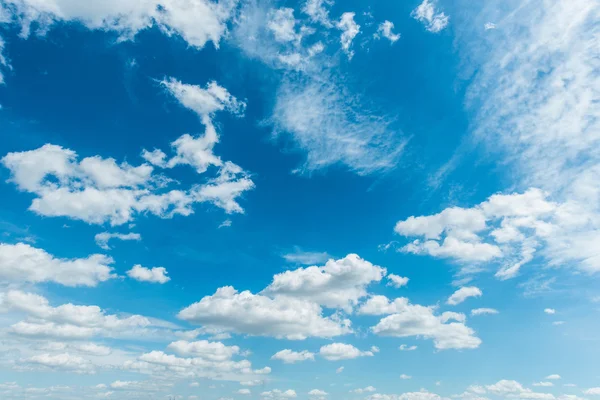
point(323, 199)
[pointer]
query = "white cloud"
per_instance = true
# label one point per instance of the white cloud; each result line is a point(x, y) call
point(103, 238)
point(213, 351)
point(422, 395)
point(277, 394)
point(489, 25)
point(342, 351)
point(282, 24)
point(317, 12)
point(385, 30)
point(433, 20)
point(244, 391)
point(63, 362)
point(592, 391)
point(550, 311)
point(196, 22)
point(290, 357)
point(397, 281)
point(556, 323)
point(405, 347)
point(339, 370)
point(464, 293)
point(256, 314)
point(544, 384)
point(349, 30)
point(3, 61)
point(317, 393)
point(483, 311)
point(405, 320)
point(368, 389)
point(153, 275)
point(513, 389)
point(338, 284)
point(405, 377)
point(70, 321)
point(306, 257)
point(335, 127)
point(23, 263)
point(546, 125)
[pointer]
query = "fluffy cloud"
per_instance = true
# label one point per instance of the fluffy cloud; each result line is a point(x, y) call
point(196, 22)
point(385, 30)
point(405, 320)
point(103, 238)
point(404, 347)
point(514, 389)
point(342, 351)
point(397, 281)
point(317, 393)
point(24, 263)
point(153, 275)
point(553, 377)
point(507, 229)
point(433, 20)
point(368, 389)
point(290, 357)
point(70, 321)
point(464, 293)
point(62, 362)
point(255, 314)
point(550, 311)
point(592, 391)
point(483, 311)
point(317, 12)
point(422, 395)
point(213, 351)
point(338, 284)
point(544, 384)
point(349, 30)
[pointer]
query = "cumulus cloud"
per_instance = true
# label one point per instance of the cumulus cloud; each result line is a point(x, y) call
point(103, 238)
point(434, 20)
point(23, 263)
point(464, 293)
point(195, 22)
point(342, 351)
point(513, 389)
point(403, 319)
point(368, 389)
point(70, 321)
point(550, 311)
point(405, 347)
point(153, 275)
point(595, 391)
point(290, 357)
point(256, 314)
point(277, 394)
point(385, 30)
point(422, 395)
point(338, 284)
point(397, 281)
point(317, 11)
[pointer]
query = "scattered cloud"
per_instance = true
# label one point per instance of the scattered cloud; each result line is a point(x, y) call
point(349, 30)
point(463, 294)
point(397, 281)
point(385, 30)
point(298, 256)
point(550, 311)
point(290, 357)
point(103, 238)
point(433, 20)
point(405, 347)
point(483, 311)
point(153, 275)
point(342, 351)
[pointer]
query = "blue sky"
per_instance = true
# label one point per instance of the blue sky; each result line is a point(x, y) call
point(312, 200)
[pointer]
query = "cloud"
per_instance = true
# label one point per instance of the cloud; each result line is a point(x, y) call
point(349, 30)
point(433, 20)
point(339, 370)
point(342, 351)
point(404, 320)
point(422, 395)
point(553, 377)
point(255, 314)
point(282, 25)
point(291, 357)
point(317, 393)
point(153, 275)
point(368, 389)
point(508, 229)
point(62, 362)
point(592, 391)
point(550, 311)
point(464, 293)
point(397, 281)
point(334, 126)
point(338, 284)
point(483, 311)
point(23, 263)
point(405, 377)
point(3, 61)
point(244, 391)
point(513, 389)
point(317, 11)
point(306, 257)
point(544, 384)
point(70, 321)
point(213, 351)
point(195, 22)
point(103, 238)
point(404, 347)
point(385, 30)
point(277, 394)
